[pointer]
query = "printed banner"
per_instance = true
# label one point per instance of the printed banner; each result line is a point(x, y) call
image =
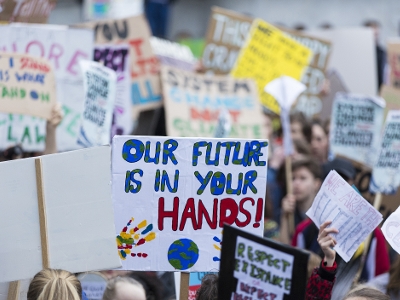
point(356, 127)
point(79, 214)
point(268, 54)
point(193, 104)
point(310, 102)
point(393, 53)
point(100, 89)
point(63, 48)
point(256, 268)
point(349, 212)
point(27, 84)
point(144, 65)
point(172, 197)
point(386, 173)
point(116, 57)
point(226, 35)
point(26, 11)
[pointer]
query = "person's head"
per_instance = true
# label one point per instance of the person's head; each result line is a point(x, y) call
point(306, 179)
point(209, 288)
point(343, 167)
point(319, 141)
point(152, 285)
point(363, 292)
point(375, 26)
point(267, 123)
point(13, 153)
point(302, 150)
point(51, 284)
point(393, 286)
point(300, 127)
point(124, 288)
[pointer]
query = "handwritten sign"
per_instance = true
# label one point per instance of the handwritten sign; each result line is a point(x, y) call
point(100, 90)
point(393, 51)
point(257, 268)
point(391, 230)
point(268, 54)
point(144, 65)
point(193, 103)
point(63, 47)
point(26, 11)
point(226, 35)
point(386, 172)
point(310, 102)
point(116, 57)
point(78, 204)
point(173, 54)
point(349, 212)
point(356, 127)
point(172, 197)
point(27, 85)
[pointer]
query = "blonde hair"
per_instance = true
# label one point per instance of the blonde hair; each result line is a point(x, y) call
point(111, 289)
point(363, 291)
point(52, 284)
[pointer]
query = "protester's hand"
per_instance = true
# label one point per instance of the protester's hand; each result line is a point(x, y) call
point(327, 242)
point(325, 88)
point(288, 204)
point(56, 116)
point(277, 158)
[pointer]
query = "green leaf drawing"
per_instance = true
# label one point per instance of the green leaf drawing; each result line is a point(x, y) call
point(172, 251)
point(193, 247)
point(178, 242)
point(176, 264)
point(184, 256)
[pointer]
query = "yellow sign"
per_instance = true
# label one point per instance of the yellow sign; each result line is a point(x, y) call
point(269, 54)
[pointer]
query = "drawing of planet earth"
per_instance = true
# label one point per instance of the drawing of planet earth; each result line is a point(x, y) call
point(183, 254)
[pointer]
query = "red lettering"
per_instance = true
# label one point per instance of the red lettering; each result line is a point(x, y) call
point(245, 212)
point(189, 212)
point(202, 212)
point(228, 205)
point(30, 63)
point(162, 213)
point(136, 45)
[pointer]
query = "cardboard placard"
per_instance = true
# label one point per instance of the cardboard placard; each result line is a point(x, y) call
point(26, 11)
point(310, 102)
point(173, 54)
point(63, 48)
point(356, 127)
point(77, 193)
point(100, 91)
point(391, 230)
point(256, 268)
point(193, 104)
point(386, 176)
point(392, 98)
point(268, 54)
point(393, 58)
point(226, 35)
point(116, 57)
point(27, 84)
point(144, 65)
point(173, 195)
point(349, 212)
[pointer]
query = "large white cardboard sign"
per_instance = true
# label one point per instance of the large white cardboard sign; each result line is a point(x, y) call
point(349, 212)
point(172, 197)
point(356, 127)
point(391, 230)
point(79, 212)
point(100, 91)
point(63, 47)
point(386, 173)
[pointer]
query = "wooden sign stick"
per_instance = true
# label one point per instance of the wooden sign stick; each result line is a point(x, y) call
point(289, 190)
point(377, 205)
point(184, 291)
point(13, 290)
point(42, 214)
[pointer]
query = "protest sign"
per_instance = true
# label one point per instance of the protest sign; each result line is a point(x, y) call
point(116, 57)
point(256, 268)
point(93, 284)
point(27, 84)
point(349, 212)
point(310, 102)
point(99, 83)
point(63, 47)
point(193, 103)
point(26, 11)
point(173, 54)
point(393, 53)
point(171, 198)
point(356, 126)
point(391, 230)
point(268, 54)
point(78, 209)
point(144, 65)
point(353, 56)
point(226, 35)
point(386, 172)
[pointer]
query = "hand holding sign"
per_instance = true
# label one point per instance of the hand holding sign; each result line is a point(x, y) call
point(327, 242)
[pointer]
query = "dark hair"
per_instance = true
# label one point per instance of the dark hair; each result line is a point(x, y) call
point(12, 152)
point(372, 23)
point(393, 286)
point(309, 164)
point(367, 293)
point(305, 124)
point(209, 288)
point(302, 147)
point(319, 122)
